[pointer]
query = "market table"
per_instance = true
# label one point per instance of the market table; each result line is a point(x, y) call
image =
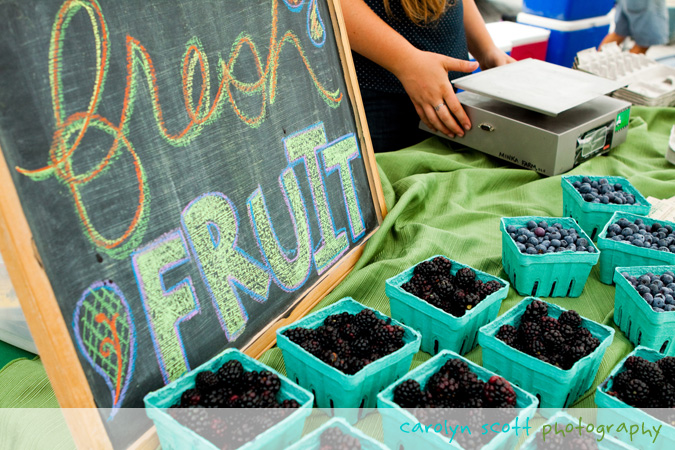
point(439, 202)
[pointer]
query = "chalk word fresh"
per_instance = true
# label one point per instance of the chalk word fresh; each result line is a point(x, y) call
point(449, 430)
point(600, 430)
point(208, 233)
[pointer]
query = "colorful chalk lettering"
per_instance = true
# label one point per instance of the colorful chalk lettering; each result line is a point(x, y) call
point(302, 148)
point(225, 268)
point(289, 272)
point(337, 156)
point(166, 308)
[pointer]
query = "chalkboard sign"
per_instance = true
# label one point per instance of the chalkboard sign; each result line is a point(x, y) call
point(177, 178)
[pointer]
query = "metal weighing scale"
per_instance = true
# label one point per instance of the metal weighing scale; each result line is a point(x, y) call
point(541, 116)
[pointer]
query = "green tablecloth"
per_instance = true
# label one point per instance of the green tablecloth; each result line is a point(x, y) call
point(450, 202)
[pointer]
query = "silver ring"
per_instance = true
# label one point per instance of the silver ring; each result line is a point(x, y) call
point(437, 107)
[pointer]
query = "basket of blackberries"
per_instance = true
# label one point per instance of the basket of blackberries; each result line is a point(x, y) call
point(230, 401)
point(591, 201)
point(346, 353)
point(537, 345)
point(447, 302)
point(632, 240)
point(337, 434)
point(644, 306)
point(547, 256)
point(640, 392)
point(564, 432)
point(449, 399)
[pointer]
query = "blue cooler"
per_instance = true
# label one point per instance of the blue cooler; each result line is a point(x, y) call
point(568, 9)
point(569, 38)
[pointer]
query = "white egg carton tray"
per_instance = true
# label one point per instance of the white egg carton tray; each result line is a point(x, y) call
point(647, 81)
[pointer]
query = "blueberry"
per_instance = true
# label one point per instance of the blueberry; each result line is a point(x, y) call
point(649, 298)
point(555, 243)
point(558, 225)
point(626, 232)
point(521, 239)
point(667, 279)
point(540, 248)
point(603, 181)
point(531, 251)
point(586, 180)
point(550, 250)
point(670, 300)
point(582, 241)
point(543, 224)
point(585, 188)
point(669, 308)
point(560, 249)
point(569, 239)
point(643, 289)
point(572, 247)
point(589, 197)
point(521, 231)
point(615, 228)
point(531, 224)
point(533, 240)
point(659, 309)
point(618, 187)
point(576, 184)
point(658, 303)
point(539, 231)
point(591, 249)
point(521, 247)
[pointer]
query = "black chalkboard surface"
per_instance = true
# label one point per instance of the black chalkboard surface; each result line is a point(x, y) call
point(188, 171)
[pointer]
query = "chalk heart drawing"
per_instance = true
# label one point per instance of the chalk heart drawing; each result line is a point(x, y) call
point(105, 334)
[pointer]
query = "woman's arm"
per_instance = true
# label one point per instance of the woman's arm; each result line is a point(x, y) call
point(479, 41)
point(424, 75)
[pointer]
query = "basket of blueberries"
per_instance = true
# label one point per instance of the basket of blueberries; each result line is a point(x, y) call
point(631, 240)
point(547, 256)
point(644, 305)
point(591, 201)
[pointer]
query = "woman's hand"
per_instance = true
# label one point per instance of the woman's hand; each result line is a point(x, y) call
point(494, 57)
point(424, 76)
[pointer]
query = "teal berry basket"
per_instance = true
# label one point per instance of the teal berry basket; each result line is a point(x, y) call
point(636, 318)
point(623, 254)
point(592, 217)
point(561, 274)
point(613, 410)
point(562, 419)
point(173, 435)
point(333, 388)
point(312, 441)
point(535, 375)
point(441, 330)
point(394, 417)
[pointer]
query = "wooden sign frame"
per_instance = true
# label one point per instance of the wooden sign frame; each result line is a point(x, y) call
point(44, 316)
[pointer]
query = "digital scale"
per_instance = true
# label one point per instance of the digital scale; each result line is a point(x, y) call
point(541, 116)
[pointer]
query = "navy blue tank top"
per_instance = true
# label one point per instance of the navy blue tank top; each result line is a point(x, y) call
point(445, 36)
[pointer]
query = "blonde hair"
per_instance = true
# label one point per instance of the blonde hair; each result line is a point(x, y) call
point(422, 11)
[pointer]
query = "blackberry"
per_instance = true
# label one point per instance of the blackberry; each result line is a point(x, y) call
point(249, 399)
point(365, 320)
point(508, 334)
point(445, 288)
point(299, 335)
point(667, 396)
point(548, 323)
point(582, 334)
point(667, 366)
point(567, 331)
point(473, 402)
point(652, 376)
point(242, 434)
point(388, 334)
point(498, 393)
point(217, 398)
point(528, 332)
point(470, 301)
point(312, 346)
point(250, 380)
point(472, 385)
point(342, 348)
point(464, 278)
point(269, 381)
point(195, 418)
point(637, 393)
point(455, 368)
point(408, 394)
point(443, 388)
point(443, 265)
point(425, 268)
point(206, 381)
point(535, 310)
point(268, 399)
point(591, 343)
point(338, 320)
point(538, 348)
point(349, 332)
point(334, 439)
point(436, 300)
point(574, 353)
point(494, 286)
point(190, 397)
point(355, 364)
point(290, 403)
point(327, 335)
point(418, 285)
point(620, 382)
point(361, 347)
point(554, 340)
point(342, 364)
point(230, 373)
point(571, 318)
